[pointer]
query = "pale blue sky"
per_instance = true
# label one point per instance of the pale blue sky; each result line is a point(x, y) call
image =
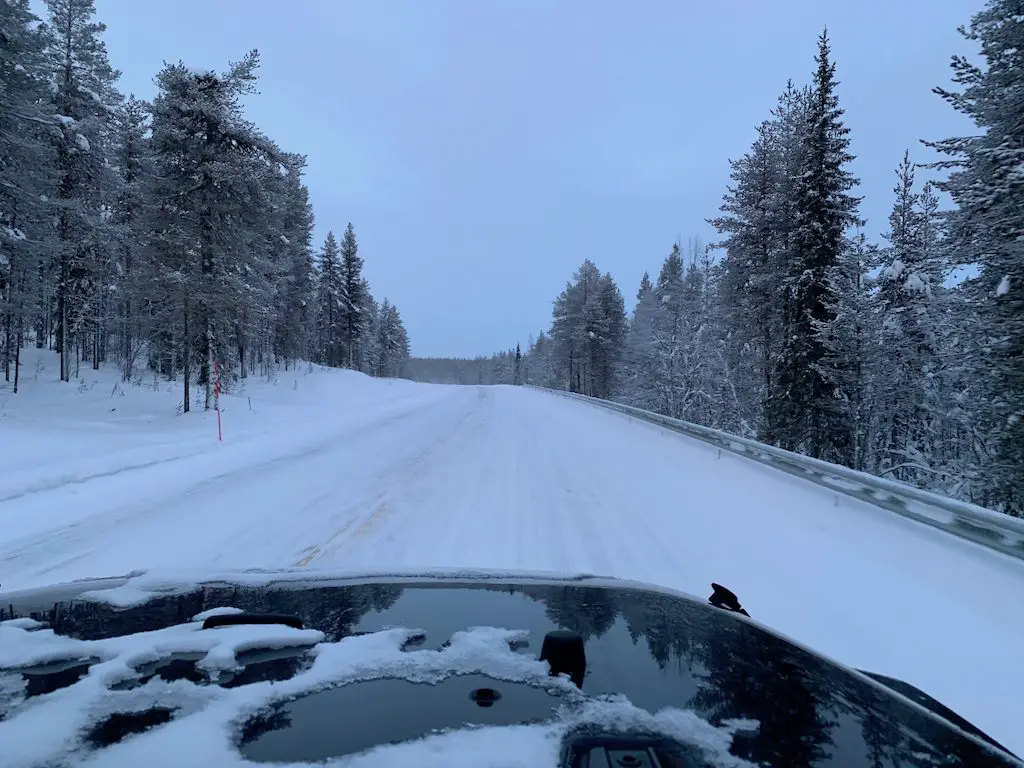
point(484, 148)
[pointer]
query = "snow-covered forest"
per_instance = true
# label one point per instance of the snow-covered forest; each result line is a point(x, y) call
point(794, 329)
point(171, 236)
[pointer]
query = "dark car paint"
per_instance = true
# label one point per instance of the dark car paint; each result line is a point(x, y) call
point(656, 647)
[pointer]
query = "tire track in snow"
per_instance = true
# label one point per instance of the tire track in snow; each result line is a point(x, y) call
point(29, 482)
point(425, 464)
point(137, 510)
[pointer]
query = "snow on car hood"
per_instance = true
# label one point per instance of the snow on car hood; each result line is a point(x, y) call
point(205, 726)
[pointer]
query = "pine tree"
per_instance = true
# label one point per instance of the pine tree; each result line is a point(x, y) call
point(294, 301)
point(587, 332)
point(810, 410)
point(84, 98)
point(353, 319)
point(391, 342)
point(758, 211)
point(988, 189)
point(669, 385)
point(517, 371)
point(906, 338)
point(639, 358)
point(331, 302)
point(133, 164)
point(208, 232)
point(609, 337)
point(27, 179)
point(539, 368)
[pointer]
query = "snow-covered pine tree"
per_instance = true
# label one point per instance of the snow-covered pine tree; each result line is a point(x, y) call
point(330, 303)
point(133, 163)
point(703, 375)
point(539, 369)
point(85, 97)
point(209, 164)
point(721, 404)
point(256, 264)
point(609, 337)
point(638, 358)
point(391, 343)
point(499, 369)
point(750, 313)
point(353, 319)
point(758, 213)
point(903, 382)
point(668, 385)
point(958, 439)
point(810, 409)
point(27, 178)
point(587, 332)
point(369, 312)
point(294, 301)
point(846, 340)
point(988, 188)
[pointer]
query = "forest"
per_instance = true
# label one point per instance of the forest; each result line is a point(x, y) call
point(903, 358)
point(171, 237)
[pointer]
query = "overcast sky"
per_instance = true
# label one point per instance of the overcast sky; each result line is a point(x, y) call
point(483, 148)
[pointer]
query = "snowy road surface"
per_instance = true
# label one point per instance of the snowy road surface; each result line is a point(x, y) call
point(500, 477)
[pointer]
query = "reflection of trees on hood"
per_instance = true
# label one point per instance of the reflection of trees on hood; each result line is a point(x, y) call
point(752, 674)
point(876, 734)
point(332, 610)
point(276, 719)
point(336, 610)
point(658, 619)
point(892, 733)
point(588, 611)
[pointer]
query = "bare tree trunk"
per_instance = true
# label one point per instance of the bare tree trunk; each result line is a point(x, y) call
point(186, 353)
point(7, 336)
point(17, 354)
point(240, 340)
point(62, 321)
point(209, 367)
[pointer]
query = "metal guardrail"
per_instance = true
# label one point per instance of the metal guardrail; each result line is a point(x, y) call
point(968, 521)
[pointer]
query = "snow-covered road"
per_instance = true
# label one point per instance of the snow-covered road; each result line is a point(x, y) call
point(502, 477)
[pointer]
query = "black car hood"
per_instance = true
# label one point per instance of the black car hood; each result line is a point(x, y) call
point(432, 667)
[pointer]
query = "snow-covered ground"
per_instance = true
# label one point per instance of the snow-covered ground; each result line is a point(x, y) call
point(333, 469)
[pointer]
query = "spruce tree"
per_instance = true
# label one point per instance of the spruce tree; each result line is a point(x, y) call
point(902, 303)
point(988, 226)
point(638, 360)
point(331, 302)
point(758, 212)
point(811, 411)
point(669, 387)
point(27, 179)
point(208, 234)
point(294, 317)
point(133, 163)
point(84, 98)
point(353, 318)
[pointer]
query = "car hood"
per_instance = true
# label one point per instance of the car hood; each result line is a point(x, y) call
point(405, 667)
